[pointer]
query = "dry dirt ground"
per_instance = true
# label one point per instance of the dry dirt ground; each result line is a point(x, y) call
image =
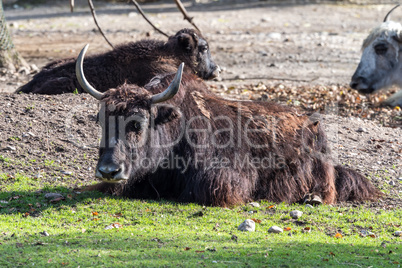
point(293, 52)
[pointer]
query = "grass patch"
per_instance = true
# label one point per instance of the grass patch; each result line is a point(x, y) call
point(163, 233)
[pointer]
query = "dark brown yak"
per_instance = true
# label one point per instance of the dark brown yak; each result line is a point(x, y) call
point(192, 146)
point(134, 63)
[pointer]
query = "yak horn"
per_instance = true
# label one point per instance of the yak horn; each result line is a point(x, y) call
point(386, 16)
point(172, 89)
point(79, 72)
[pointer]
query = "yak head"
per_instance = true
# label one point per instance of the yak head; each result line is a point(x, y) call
point(129, 117)
point(381, 62)
point(190, 47)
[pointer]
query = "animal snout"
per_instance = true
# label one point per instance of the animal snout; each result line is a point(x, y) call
point(110, 172)
point(216, 72)
point(357, 82)
point(354, 84)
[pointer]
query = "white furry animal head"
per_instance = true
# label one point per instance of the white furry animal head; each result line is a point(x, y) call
point(381, 62)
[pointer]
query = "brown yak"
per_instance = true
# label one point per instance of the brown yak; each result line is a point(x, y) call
point(135, 62)
point(174, 139)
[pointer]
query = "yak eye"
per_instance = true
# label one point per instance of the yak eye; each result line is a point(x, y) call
point(133, 126)
point(203, 49)
point(380, 49)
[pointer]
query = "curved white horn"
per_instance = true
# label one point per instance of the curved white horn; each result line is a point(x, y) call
point(386, 16)
point(172, 89)
point(79, 72)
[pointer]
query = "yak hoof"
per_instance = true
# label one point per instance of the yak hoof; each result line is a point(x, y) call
point(312, 199)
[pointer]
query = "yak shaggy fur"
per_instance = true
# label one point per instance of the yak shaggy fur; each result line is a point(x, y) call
point(296, 145)
point(133, 63)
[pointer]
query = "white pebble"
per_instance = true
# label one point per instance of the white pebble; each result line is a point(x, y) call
point(248, 225)
point(295, 214)
point(275, 230)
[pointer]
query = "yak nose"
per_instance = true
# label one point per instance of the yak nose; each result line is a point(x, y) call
point(216, 72)
point(356, 81)
point(110, 171)
point(353, 84)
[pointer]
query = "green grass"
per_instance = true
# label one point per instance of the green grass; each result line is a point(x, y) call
point(162, 233)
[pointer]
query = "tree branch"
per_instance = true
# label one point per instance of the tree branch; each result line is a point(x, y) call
point(146, 18)
point(185, 14)
point(72, 5)
point(91, 6)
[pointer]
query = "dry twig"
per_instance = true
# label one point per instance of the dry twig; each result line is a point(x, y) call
point(185, 14)
point(91, 6)
point(272, 78)
point(146, 18)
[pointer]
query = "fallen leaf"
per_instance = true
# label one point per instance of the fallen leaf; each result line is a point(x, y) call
point(338, 235)
point(287, 229)
point(115, 225)
point(14, 197)
point(256, 220)
point(272, 206)
point(94, 213)
point(57, 200)
point(187, 248)
point(199, 251)
point(96, 219)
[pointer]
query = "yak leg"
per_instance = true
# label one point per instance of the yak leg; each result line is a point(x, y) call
point(324, 178)
point(218, 187)
point(102, 187)
point(394, 100)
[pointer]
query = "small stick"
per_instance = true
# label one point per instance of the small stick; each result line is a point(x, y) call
point(185, 14)
point(272, 78)
point(146, 18)
point(91, 6)
point(72, 5)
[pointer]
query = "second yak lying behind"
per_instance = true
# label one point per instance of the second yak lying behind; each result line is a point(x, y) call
point(135, 63)
point(190, 145)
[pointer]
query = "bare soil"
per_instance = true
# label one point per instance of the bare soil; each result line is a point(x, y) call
point(289, 51)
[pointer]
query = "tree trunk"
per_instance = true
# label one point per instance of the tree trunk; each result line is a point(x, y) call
point(9, 57)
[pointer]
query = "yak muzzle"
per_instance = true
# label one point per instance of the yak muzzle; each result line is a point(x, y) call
point(111, 172)
point(360, 84)
point(216, 73)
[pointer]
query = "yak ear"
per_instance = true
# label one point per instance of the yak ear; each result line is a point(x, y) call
point(165, 114)
point(186, 41)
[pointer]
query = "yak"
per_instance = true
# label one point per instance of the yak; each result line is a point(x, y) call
point(134, 63)
point(381, 62)
point(174, 139)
